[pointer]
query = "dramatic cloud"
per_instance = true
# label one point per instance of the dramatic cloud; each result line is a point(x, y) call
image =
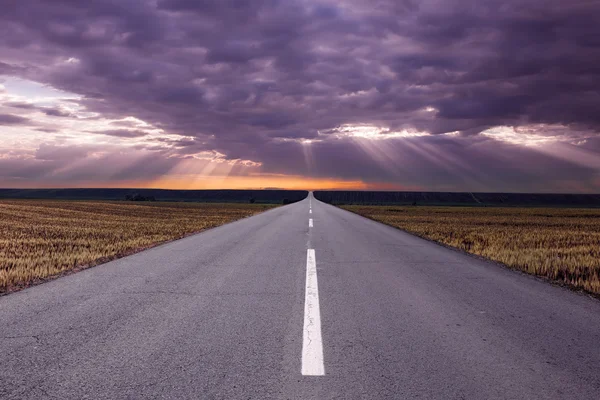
point(8, 119)
point(430, 94)
point(124, 133)
point(55, 112)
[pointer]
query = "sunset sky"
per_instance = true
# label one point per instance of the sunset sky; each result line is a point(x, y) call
point(440, 95)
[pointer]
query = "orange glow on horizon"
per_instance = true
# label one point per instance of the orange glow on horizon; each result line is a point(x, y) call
point(259, 182)
point(253, 182)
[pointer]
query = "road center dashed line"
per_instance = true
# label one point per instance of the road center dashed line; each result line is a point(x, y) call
point(310, 223)
point(312, 342)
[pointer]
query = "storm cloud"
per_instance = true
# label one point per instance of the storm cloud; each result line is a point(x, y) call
point(288, 85)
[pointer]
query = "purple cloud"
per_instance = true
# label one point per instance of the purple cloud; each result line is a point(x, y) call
point(56, 112)
point(253, 80)
point(9, 119)
point(122, 133)
point(20, 105)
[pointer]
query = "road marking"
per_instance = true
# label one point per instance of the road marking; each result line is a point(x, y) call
point(310, 211)
point(312, 343)
point(310, 223)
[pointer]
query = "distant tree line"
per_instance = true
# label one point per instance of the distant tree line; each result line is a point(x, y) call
point(270, 196)
point(284, 201)
point(458, 198)
point(138, 197)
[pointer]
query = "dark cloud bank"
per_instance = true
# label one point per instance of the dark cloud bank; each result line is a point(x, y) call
point(254, 79)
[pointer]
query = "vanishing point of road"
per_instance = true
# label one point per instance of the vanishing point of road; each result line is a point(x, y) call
point(305, 301)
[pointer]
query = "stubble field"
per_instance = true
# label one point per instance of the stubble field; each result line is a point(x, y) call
point(45, 238)
point(561, 244)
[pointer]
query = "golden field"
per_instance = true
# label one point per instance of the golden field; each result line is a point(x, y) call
point(561, 244)
point(43, 238)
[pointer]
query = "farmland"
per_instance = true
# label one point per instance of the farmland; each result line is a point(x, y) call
point(560, 244)
point(346, 197)
point(270, 196)
point(45, 238)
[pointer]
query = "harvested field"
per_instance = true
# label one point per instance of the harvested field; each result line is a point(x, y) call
point(561, 244)
point(44, 238)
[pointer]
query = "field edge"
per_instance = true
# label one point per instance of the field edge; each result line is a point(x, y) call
point(494, 263)
point(4, 291)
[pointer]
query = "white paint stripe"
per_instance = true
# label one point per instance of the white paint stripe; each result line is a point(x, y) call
point(310, 211)
point(312, 343)
point(310, 223)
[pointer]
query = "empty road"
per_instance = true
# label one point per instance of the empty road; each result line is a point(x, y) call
point(305, 301)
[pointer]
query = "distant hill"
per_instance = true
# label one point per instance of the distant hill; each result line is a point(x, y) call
point(212, 196)
point(464, 198)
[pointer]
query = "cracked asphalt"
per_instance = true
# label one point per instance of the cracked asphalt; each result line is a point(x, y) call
point(219, 315)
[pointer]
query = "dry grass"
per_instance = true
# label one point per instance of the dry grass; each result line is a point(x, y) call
point(43, 238)
point(560, 244)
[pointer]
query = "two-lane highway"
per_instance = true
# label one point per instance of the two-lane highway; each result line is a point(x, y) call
point(306, 301)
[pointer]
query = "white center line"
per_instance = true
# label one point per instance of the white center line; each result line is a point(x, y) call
point(312, 343)
point(310, 223)
point(310, 211)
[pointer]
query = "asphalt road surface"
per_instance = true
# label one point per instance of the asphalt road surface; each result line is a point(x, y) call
point(305, 301)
